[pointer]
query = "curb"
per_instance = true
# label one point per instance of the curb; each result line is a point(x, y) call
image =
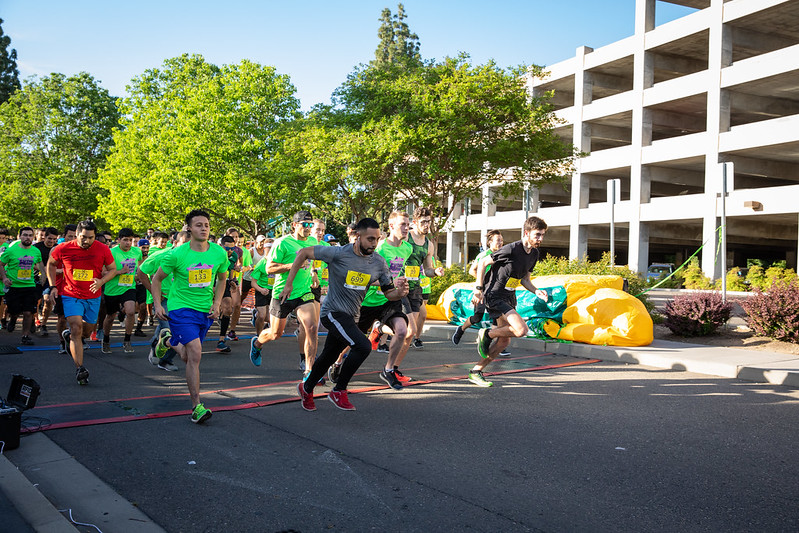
point(29, 502)
point(748, 365)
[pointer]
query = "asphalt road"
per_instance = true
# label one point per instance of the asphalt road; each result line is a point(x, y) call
point(595, 447)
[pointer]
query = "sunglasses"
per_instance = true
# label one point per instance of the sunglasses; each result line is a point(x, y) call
point(307, 224)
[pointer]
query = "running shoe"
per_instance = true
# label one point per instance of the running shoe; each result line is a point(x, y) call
point(483, 342)
point(43, 331)
point(93, 336)
point(302, 362)
point(417, 343)
point(306, 397)
point(456, 337)
point(82, 375)
point(62, 350)
point(476, 377)
point(383, 348)
point(200, 414)
point(127, 347)
point(106, 347)
point(10, 325)
point(66, 334)
point(334, 372)
point(222, 347)
point(391, 379)
point(138, 332)
point(100, 335)
point(504, 353)
point(340, 400)
point(402, 378)
point(231, 336)
point(255, 352)
point(27, 341)
point(38, 321)
point(168, 366)
point(374, 335)
point(254, 317)
point(161, 348)
point(152, 358)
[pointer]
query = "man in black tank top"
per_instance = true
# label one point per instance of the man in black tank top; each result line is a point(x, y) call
point(511, 266)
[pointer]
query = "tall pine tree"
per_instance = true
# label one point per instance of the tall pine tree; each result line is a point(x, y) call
point(9, 75)
point(397, 44)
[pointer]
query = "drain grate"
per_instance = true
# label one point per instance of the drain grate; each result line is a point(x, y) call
point(8, 349)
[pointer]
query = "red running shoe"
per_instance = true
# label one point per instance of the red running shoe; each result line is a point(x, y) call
point(402, 378)
point(339, 398)
point(374, 335)
point(307, 398)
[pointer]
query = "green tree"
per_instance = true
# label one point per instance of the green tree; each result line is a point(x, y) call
point(55, 134)
point(433, 133)
point(200, 136)
point(9, 75)
point(397, 43)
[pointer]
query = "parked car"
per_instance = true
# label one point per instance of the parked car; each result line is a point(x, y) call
point(659, 270)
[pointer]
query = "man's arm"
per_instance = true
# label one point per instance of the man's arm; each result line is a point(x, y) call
point(4, 276)
point(51, 269)
point(302, 257)
point(430, 269)
point(398, 291)
point(480, 281)
point(527, 283)
point(144, 279)
point(97, 284)
point(219, 293)
point(155, 290)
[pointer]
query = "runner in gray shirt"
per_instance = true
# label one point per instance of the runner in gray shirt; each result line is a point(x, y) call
point(351, 270)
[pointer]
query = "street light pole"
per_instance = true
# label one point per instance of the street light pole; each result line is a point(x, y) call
point(614, 195)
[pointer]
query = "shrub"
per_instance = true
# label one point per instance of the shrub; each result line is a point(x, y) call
point(775, 313)
point(694, 278)
point(757, 277)
point(696, 314)
point(452, 275)
point(735, 282)
point(552, 266)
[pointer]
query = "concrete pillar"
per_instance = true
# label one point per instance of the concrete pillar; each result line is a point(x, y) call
point(640, 178)
point(454, 244)
point(718, 121)
point(581, 138)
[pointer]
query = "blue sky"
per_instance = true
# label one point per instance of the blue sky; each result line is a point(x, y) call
point(317, 43)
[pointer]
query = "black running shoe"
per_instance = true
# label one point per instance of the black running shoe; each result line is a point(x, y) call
point(82, 375)
point(456, 337)
point(334, 372)
point(390, 379)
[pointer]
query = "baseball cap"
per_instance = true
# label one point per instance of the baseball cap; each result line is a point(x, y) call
point(329, 237)
point(260, 238)
point(302, 216)
point(143, 242)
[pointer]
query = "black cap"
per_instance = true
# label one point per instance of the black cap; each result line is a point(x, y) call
point(302, 216)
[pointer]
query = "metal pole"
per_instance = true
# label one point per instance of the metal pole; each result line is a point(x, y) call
point(612, 184)
point(467, 208)
point(724, 232)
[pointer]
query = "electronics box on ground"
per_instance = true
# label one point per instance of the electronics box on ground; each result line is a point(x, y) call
point(22, 395)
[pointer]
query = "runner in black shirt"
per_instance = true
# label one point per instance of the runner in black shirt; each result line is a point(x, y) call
point(511, 268)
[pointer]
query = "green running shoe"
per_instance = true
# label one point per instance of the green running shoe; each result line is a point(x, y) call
point(476, 377)
point(483, 342)
point(200, 414)
point(161, 348)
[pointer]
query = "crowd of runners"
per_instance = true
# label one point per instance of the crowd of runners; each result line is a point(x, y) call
point(369, 293)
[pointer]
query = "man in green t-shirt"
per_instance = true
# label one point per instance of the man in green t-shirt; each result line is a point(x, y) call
point(493, 243)
point(193, 299)
point(16, 271)
point(120, 291)
point(301, 299)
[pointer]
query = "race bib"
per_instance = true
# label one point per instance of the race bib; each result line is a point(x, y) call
point(125, 280)
point(412, 272)
point(317, 264)
point(512, 284)
point(24, 274)
point(425, 282)
point(200, 276)
point(82, 275)
point(357, 280)
point(323, 274)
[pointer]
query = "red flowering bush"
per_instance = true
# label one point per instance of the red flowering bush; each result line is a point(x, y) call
point(696, 314)
point(775, 313)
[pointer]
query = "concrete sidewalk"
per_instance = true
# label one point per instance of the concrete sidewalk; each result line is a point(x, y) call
point(749, 365)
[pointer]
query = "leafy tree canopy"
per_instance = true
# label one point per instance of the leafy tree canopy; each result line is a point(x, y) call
point(55, 134)
point(196, 135)
point(397, 44)
point(9, 74)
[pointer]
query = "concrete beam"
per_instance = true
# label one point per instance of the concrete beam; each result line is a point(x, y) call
point(670, 119)
point(610, 133)
point(677, 176)
point(609, 81)
point(677, 64)
point(764, 105)
point(762, 167)
point(757, 41)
